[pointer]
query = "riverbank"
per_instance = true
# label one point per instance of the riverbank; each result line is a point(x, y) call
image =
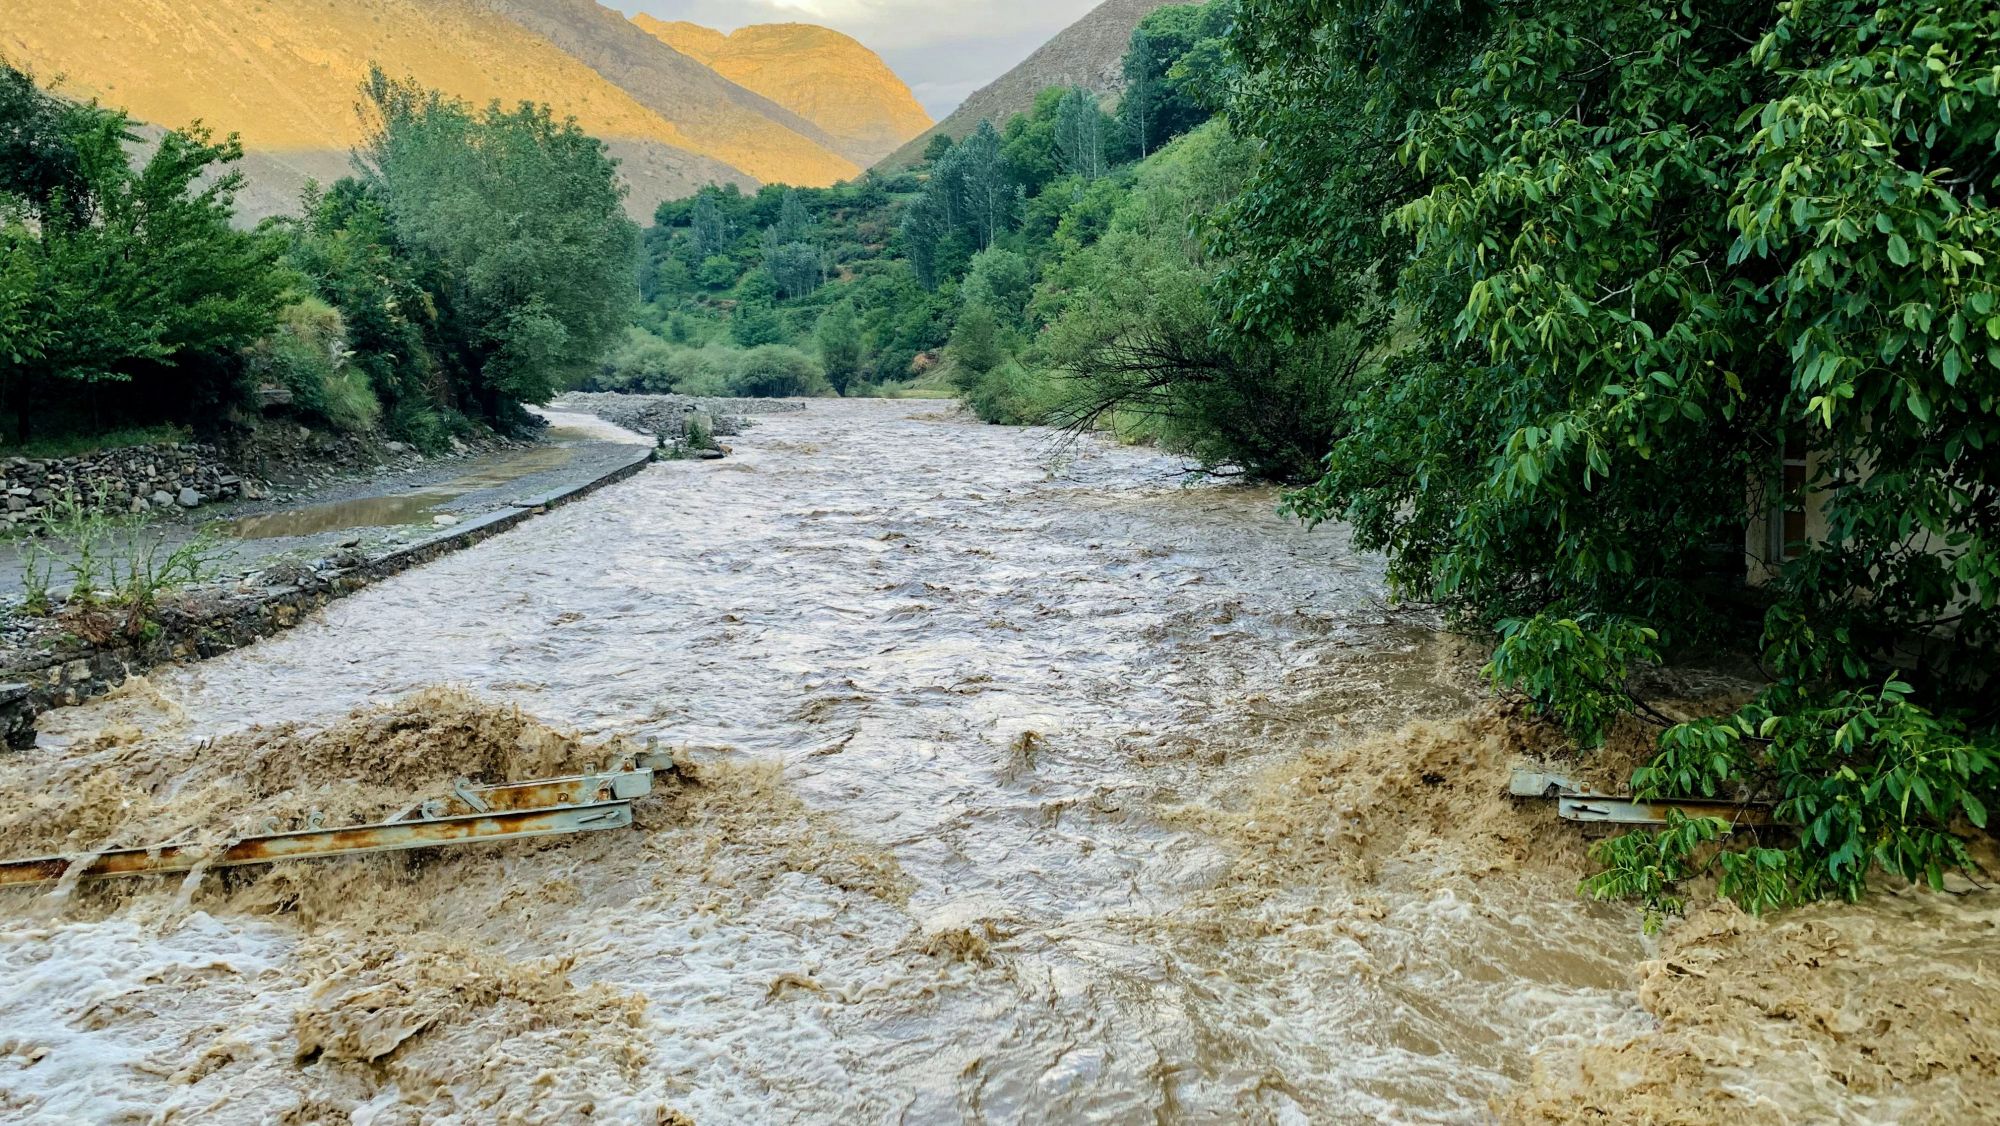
point(1013, 790)
point(280, 558)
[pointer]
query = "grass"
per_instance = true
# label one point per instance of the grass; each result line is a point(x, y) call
point(116, 572)
point(77, 445)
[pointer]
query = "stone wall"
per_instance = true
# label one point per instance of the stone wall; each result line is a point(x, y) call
point(132, 479)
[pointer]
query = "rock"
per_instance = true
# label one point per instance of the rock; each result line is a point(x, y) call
point(20, 492)
point(444, 518)
point(457, 446)
point(253, 491)
point(396, 447)
point(712, 455)
point(17, 504)
point(189, 498)
point(138, 505)
point(162, 498)
point(353, 542)
point(42, 496)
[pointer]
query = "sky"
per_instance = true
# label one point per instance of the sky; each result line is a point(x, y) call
point(944, 49)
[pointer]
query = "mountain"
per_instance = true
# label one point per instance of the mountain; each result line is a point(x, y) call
point(1087, 53)
point(716, 117)
point(285, 74)
point(825, 77)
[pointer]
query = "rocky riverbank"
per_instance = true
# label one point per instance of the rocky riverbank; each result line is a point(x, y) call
point(133, 479)
point(273, 460)
point(280, 559)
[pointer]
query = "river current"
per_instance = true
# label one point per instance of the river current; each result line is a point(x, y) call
point(1054, 697)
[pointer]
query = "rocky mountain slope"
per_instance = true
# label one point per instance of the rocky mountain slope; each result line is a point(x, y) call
point(714, 116)
point(1087, 53)
point(285, 75)
point(825, 77)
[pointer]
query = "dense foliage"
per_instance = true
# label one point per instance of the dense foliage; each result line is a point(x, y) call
point(1636, 259)
point(877, 279)
point(480, 261)
point(125, 295)
point(482, 257)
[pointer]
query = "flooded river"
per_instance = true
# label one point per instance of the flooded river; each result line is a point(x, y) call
point(1027, 786)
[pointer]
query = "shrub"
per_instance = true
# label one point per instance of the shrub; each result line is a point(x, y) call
point(1010, 393)
point(778, 371)
point(307, 355)
point(642, 362)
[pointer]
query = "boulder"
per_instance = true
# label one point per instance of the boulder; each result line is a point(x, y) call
point(162, 498)
point(189, 498)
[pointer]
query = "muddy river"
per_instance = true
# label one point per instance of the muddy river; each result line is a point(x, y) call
point(1024, 785)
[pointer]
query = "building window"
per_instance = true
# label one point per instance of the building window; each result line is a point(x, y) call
point(1788, 529)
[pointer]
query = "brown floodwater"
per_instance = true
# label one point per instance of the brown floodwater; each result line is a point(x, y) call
point(1038, 787)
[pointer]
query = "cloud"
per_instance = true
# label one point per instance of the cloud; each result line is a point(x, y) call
point(944, 49)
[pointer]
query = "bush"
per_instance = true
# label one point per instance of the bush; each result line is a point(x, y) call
point(642, 363)
point(778, 371)
point(753, 325)
point(1009, 394)
point(307, 355)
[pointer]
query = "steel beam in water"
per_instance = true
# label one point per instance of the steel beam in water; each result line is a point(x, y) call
point(307, 844)
point(1576, 803)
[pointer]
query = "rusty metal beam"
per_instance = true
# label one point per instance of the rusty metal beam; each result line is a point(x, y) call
point(1577, 803)
point(466, 799)
point(311, 843)
point(1620, 811)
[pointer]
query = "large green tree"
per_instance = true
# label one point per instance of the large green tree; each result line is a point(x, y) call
point(514, 221)
point(1634, 255)
point(1170, 69)
point(123, 289)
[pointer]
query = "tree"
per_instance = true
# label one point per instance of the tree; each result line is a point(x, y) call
point(776, 371)
point(975, 341)
point(794, 224)
point(839, 338)
point(708, 230)
point(121, 277)
point(981, 197)
point(516, 223)
point(1001, 280)
point(1632, 267)
point(755, 325)
point(1171, 71)
point(1080, 127)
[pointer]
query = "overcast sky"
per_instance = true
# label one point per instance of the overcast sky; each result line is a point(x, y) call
point(945, 49)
